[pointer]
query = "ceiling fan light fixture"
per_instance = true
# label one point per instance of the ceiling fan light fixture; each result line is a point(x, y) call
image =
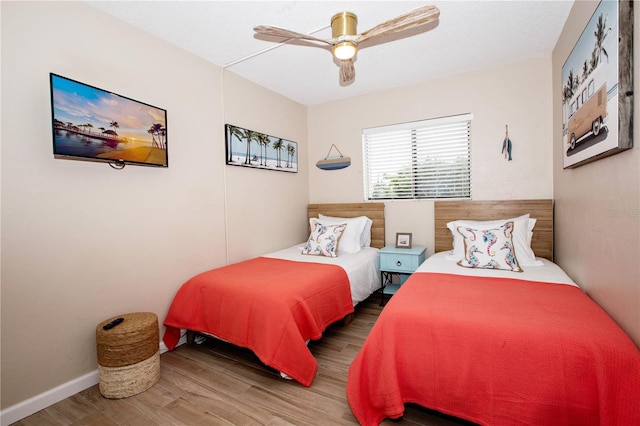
point(344, 50)
point(343, 23)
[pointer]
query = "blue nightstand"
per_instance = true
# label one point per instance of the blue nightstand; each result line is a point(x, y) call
point(401, 262)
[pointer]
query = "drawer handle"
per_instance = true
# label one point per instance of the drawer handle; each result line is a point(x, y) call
point(398, 263)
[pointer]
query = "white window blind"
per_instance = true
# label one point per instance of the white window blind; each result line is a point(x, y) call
point(418, 160)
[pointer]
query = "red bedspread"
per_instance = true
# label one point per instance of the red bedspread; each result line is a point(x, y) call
point(496, 352)
point(271, 306)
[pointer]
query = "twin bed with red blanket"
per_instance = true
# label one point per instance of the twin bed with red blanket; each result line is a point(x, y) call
point(274, 304)
point(496, 347)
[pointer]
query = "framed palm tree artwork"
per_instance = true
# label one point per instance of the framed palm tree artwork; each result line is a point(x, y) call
point(597, 90)
point(248, 148)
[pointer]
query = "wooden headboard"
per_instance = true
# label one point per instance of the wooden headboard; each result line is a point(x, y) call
point(374, 211)
point(541, 210)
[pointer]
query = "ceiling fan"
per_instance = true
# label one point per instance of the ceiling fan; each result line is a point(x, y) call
point(344, 38)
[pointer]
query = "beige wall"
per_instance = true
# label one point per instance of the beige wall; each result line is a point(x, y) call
point(516, 94)
point(82, 242)
point(267, 209)
point(597, 237)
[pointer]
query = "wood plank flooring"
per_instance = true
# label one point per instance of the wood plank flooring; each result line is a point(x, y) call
point(216, 383)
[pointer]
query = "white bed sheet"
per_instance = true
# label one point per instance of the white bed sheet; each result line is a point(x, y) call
point(361, 268)
point(548, 272)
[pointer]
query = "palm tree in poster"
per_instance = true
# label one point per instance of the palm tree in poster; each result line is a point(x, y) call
point(291, 151)
point(238, 133)
point(115, 125)
point(601, 33)
point(250, 136)
point(278, 146)
point(568, 90)
point(585, 70)
point(263, 141)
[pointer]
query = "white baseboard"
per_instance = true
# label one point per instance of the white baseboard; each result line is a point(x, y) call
point(32, 405)
point(40, 402)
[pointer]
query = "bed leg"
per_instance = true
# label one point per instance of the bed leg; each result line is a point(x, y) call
point(348, 319)
point(190, 337)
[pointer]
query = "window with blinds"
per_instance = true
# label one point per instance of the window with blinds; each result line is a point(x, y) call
point(419, 160)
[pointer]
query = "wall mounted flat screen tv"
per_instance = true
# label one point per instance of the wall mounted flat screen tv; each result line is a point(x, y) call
point(96, 125)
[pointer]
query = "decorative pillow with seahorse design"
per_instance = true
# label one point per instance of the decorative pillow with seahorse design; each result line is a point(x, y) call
point(324, 240)
point(489, 248)
point(522, 234)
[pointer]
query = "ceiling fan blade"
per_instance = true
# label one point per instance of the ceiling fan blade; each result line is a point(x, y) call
point(411, 19)
point(281, 32)
point(347, 70)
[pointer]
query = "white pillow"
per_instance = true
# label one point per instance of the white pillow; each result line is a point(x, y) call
point(324, 239)
point(489, 248)
point(522, 234)
point(355, 235)
point(365, 238)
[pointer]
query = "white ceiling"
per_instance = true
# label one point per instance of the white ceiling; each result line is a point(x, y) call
point(469, 35)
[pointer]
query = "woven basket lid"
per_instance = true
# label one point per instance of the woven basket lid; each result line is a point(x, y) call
point(132, 341)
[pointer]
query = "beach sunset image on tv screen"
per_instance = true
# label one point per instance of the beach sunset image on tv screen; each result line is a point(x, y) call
point(97, 125)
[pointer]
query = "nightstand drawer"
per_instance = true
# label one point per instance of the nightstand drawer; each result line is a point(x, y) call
point(396, 265)
point(401, 259)
point(400, 262)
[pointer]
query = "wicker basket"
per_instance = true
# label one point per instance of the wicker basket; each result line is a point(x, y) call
point(128, 355)
point(122, 382)
point(134, 340)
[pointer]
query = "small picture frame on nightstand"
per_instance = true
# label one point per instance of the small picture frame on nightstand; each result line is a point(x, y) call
point(403, 240)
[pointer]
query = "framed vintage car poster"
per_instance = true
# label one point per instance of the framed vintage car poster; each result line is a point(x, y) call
point(597, 91)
